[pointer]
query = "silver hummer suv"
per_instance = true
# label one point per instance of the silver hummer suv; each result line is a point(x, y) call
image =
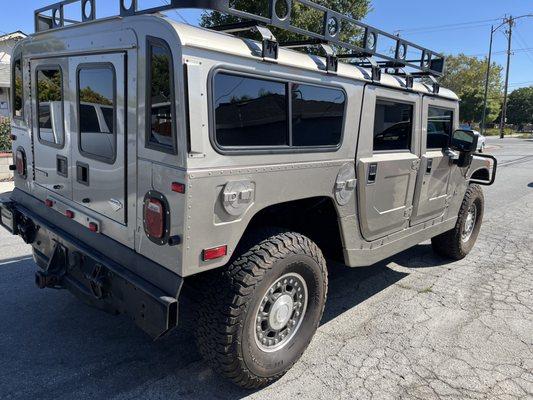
point(151, 154)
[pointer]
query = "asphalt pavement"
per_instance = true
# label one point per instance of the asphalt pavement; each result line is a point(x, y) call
point(412, 327)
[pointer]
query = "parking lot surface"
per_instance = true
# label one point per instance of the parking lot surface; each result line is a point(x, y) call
point(412, 327)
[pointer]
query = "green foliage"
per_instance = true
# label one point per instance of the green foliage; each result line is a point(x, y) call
point(5, 130)
point(49, 85)
point(88, 95)
point(466, 76)
point(520, 106)
point(303, 17)
point(161, 88)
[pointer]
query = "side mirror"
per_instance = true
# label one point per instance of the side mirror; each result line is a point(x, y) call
point(465, 142)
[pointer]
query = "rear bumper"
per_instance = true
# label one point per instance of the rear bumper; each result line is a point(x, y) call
point(95, 268)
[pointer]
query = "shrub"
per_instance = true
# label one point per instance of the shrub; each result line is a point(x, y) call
point(5, 130)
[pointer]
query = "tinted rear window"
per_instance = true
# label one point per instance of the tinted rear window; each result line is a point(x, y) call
point(393, 125)
point(18, 100)
point(317, 115)
point(96, 88)
point(50, 106)
point(250, 112)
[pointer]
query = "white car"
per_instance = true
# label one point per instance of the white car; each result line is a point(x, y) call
point(482, 141)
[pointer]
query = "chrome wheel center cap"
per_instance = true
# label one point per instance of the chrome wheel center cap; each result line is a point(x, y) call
point(281, 312)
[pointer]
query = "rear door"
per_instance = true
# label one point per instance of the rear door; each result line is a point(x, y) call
point(99, 135)
point(388, 161)
point(432, 188)
point(50, 79)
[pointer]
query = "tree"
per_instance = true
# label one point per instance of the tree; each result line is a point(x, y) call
point(466, 76)
point(302, 17)
point(520, 107)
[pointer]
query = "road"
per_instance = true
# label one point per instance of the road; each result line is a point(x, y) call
point(412, 327)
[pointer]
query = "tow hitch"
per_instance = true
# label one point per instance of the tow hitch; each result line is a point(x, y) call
point(52, 275)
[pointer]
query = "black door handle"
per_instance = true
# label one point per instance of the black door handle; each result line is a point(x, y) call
point(82, 173)
point(372, 173)
point(429, 166)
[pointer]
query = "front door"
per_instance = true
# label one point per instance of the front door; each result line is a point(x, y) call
point(387, 161)
point(98, 137)
point(49, 86)
point(432, 189)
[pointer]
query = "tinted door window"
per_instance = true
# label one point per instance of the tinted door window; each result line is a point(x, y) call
point(393, 126)
point(317, 115)
point(161, 99)
point(250, 112)
point(18, 101)
point(440, 127)
point(96, 88)
point(50, 106)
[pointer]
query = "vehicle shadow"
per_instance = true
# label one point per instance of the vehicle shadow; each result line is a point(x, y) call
point(55, 347)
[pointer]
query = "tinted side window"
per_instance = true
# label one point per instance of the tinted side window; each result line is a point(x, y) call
point(250, 112)
point(161, 99)
point(393, 125)
point(440, 126)
point(18, 99)
point(50, 106)
point(317, 115)
point(96, 91)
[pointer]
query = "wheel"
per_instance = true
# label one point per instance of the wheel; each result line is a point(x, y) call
point(261, 312)
point(458, 242)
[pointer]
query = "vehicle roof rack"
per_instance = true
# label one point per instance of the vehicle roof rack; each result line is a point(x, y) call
point(279, 15)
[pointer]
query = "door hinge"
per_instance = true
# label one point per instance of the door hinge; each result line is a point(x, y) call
point(448, 200)
point(408, 212)
point(415, 166)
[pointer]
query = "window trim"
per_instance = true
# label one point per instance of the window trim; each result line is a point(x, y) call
point(88, 66)
point(391, 99)
point(14, 91)
point(282, 149)
point(152, 41)
point(37, 70)
point(427, 123)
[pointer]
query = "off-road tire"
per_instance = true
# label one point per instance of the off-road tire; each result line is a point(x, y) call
point(451, 244)
point(227, 312)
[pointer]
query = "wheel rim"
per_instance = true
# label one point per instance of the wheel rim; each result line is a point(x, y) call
point(281, 312)
point(470, 223)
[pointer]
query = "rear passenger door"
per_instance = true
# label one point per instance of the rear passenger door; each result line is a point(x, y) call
point(387, 161)
point(99, 134)
point(432, 188)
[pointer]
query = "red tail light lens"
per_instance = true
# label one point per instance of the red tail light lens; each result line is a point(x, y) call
point(214, 253)
point(69, 214)
point(20, 162)
point(49, 203)
point(93, 227)
point(154, 218)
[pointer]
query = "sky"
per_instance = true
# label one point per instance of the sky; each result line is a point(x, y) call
point(451, 26)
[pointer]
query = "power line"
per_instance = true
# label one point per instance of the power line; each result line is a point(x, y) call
point(456, 25)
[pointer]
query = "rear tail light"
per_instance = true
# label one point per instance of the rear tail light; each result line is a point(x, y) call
point(49, 203)
point(69, 214)
point(93, 227)
point(20, 162)
point(214, 253)
point(156, 215)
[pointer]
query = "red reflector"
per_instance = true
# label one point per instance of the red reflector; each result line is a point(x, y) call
point(178, 187)
point(154, 218)
point(49, 203)
point(93, 227)
point(214, 253)
point(69, 214)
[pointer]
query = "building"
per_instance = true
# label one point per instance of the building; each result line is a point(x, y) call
point(7, 42)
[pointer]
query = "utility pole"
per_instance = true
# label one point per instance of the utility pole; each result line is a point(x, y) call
point(504, 109)
point(483, 119)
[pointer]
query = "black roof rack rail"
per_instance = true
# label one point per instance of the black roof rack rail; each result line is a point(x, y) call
point(429, 62)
